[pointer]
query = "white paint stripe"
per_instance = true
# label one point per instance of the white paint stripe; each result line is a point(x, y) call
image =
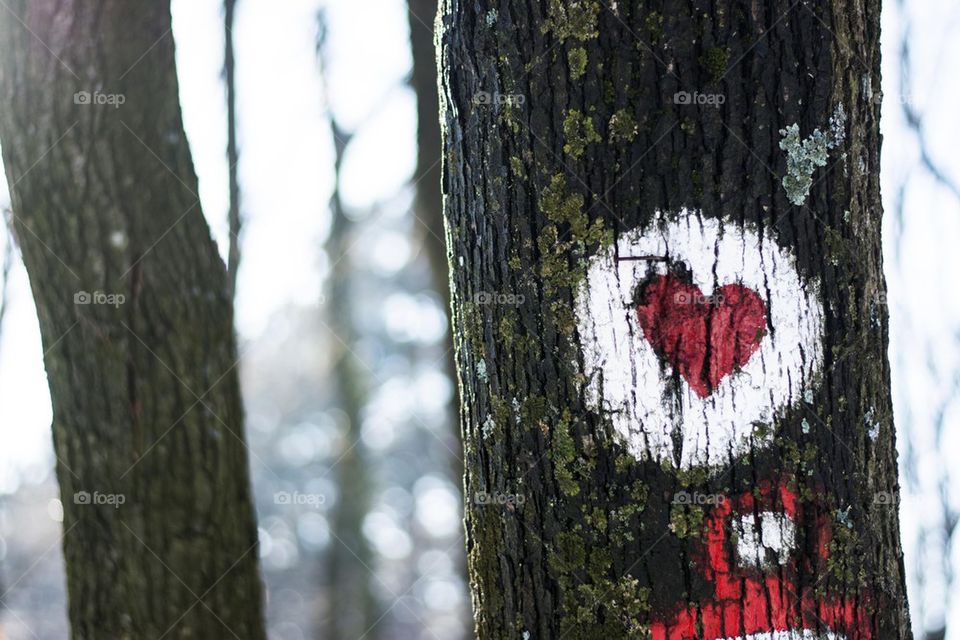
point(756, 534)
point(625, 377)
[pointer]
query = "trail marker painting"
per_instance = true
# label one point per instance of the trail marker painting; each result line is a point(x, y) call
point(755, 582)
point(694, 331)
point(703, 338)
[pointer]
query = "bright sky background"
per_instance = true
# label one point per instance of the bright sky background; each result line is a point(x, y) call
point(286, 177)
point(921, 272)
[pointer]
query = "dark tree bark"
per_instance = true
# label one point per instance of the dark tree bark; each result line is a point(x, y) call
point(668, 298)
point(159, 532)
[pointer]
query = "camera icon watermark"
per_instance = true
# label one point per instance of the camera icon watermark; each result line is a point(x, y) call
point(685, 297)
point(697, 98)
point(97, 98)
point(698, 499)
point(99, 297)
point(498, 498)
point(290, 498)
point(890, 498)
point(488, 297)
point(482, 98)
point(96, 498)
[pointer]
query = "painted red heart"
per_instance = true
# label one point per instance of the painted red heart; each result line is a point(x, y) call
point(705, 339)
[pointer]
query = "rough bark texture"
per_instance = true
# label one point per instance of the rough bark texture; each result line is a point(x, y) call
point(566, 143)
point(159, 532)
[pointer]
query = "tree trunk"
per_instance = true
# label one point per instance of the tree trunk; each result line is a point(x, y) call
point(159, 532)
point(353, 611)
point(668, 298)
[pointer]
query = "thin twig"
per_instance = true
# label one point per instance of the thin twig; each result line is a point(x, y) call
point(234, 219)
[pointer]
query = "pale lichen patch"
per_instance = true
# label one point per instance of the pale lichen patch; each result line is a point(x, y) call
point(804, 156)
point(488, 428)
point(866, 85)
point(872, 424)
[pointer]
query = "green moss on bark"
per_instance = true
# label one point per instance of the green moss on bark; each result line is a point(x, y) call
point(565, 212)
point(563, 454)
point(575, 19)
point(577, 61)
point(578, 132)
point(622, 127)
point(714, 61)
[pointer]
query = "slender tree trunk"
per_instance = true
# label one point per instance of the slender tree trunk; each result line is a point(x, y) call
point(234, 221)
point(159, 532)
point(668, 298)
point(353, 611)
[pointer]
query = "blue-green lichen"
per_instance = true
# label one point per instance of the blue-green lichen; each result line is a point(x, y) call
point(488, 428)
point(804, 156)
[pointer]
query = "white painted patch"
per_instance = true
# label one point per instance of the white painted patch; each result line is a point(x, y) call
point(758, 534)
point(626, 379)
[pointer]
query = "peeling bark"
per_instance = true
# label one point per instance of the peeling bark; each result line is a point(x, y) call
point(664, 474)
